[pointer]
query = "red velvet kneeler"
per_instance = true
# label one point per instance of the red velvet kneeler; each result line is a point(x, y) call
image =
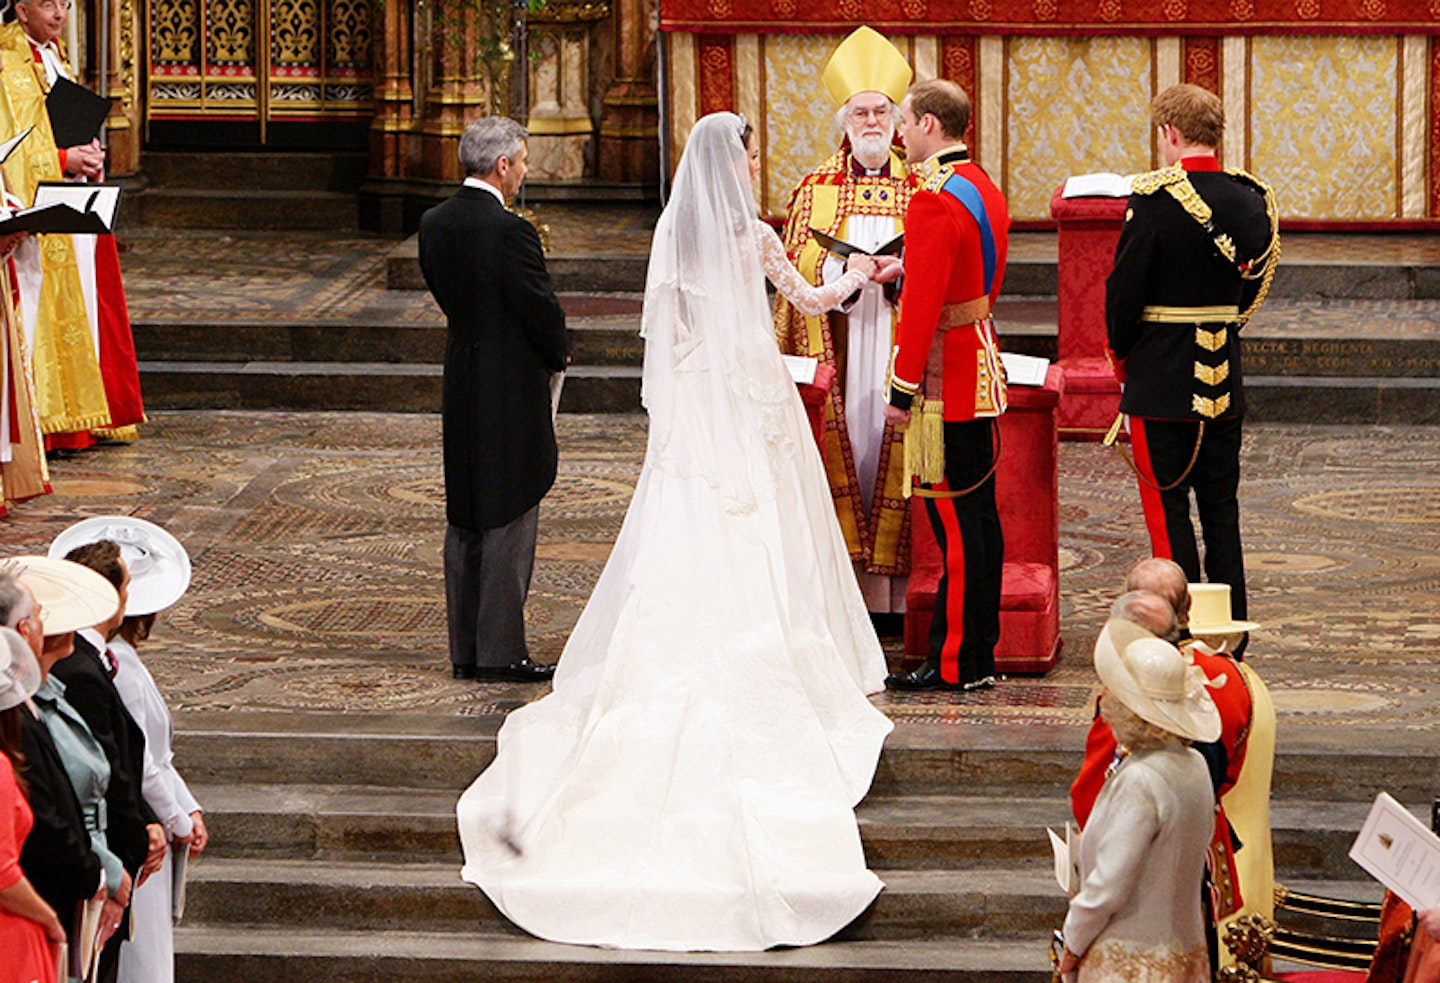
point(1027, 493)
point(814, 395)
point(1089, 230)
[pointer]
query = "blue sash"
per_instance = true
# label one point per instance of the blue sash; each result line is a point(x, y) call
point(968, 195)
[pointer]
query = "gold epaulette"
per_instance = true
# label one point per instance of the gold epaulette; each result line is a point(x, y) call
point(1152, 181)
point(934, 182)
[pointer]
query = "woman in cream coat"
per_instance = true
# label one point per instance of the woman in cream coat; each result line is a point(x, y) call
point(1137, 917)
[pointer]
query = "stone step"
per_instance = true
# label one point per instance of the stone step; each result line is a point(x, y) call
point(934, 832)
point(376, 386)
point(237, 172)
point(984, 903)
point(445, 754)
point(572, 272)
point(206, 954)
point(209, 208)
point(594, 341)
point(990, 903)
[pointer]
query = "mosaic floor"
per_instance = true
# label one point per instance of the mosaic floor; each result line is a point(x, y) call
point(316, 542)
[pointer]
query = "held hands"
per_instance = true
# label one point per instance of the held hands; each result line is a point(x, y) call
point(199, 836)
point(895, 416)
point(8, 243)
point(859, 261)
point(87, 160)
point(155, 857)
point(887, 269)
point(1430, 922)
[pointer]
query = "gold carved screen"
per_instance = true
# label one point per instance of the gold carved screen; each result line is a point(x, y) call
point(259, 60)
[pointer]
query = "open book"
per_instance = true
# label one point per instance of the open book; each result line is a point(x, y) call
point(1024, 370)
point(1067, 859)
point(64, 207)
point(1097, 186)
point(842, 248)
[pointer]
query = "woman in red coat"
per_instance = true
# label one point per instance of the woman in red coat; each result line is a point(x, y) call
point(29, 929)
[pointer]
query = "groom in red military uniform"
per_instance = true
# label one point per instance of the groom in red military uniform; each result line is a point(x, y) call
point(947, 365)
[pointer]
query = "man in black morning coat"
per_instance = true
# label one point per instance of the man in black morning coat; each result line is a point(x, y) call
point(505, 341)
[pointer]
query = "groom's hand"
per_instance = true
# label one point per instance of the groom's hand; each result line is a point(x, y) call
point(895, 416)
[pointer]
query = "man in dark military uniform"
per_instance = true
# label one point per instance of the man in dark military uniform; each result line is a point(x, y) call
point(1193, 264)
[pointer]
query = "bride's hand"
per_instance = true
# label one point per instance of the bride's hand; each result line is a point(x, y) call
point(887, 268)
point(859, 261)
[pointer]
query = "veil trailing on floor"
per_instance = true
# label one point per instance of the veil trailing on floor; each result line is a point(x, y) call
point(691, 782)
point(706, 326)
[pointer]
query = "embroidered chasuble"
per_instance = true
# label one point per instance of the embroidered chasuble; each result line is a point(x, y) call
point(23, 470)
point(863, 456)
point(69, 390)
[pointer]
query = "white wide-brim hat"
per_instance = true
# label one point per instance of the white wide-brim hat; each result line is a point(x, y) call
point(71, 596)
point(159, 566)
point(1152, 678)
point(1210, 611)
point(19, 672)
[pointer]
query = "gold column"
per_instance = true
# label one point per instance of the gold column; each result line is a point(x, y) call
point(394, 97)
point(561, 129)
point(122, 85)
point(630, 113)
point(462, 89)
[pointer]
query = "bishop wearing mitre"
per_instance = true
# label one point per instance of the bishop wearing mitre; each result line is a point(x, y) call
point(858, 196)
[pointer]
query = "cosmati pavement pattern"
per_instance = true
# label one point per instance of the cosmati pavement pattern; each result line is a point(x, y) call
point(316, 542)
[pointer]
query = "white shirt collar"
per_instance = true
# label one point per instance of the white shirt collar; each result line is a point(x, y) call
point(475, 182)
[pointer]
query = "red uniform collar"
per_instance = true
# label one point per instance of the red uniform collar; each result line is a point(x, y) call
point(1205, 162)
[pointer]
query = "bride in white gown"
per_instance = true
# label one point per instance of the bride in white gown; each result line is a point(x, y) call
point(690, 784)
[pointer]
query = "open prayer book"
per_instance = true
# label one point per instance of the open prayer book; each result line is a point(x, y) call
point(8, 147)
point(840, 247)
point(64, 207)
point(802, 368)
point(1399, 852)
point(1101, 185)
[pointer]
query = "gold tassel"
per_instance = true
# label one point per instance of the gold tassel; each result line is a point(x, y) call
point(925, 443)
point(1114, 432)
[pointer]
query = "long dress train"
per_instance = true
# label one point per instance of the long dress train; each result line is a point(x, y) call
point(690, 784)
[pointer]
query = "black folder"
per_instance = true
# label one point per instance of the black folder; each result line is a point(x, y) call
point(76, 114)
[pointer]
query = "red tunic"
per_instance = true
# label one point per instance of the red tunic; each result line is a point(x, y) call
point(1232, 699)
point(23, 943)
point(946, 264)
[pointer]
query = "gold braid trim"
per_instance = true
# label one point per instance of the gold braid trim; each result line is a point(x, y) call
point(925, 443)
point(1262, 266)
point(1152, 181)
point(1184, 192)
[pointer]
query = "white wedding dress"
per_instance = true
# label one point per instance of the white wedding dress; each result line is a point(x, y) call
point(690, 784)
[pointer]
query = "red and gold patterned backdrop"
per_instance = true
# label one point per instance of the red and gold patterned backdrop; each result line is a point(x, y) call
point(1335, 102)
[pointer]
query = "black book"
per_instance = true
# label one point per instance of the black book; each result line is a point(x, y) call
point(64, 207)
point(842, 248)
point(76, 114)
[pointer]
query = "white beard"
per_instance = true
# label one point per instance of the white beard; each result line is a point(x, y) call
point(871, 151)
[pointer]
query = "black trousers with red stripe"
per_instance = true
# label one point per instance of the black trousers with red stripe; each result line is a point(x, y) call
point(1162, 450)
point(966, 623)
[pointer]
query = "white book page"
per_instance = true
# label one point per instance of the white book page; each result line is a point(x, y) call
point(1399, 852)
point(802, 369)
point(1099, 185)
point(100, 199)
point(1024, 370)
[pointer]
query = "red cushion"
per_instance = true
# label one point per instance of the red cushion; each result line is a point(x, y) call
point(1089, 375)
point(1027, 587)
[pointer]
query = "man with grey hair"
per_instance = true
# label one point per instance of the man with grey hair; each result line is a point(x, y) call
point(858, 196)
point(505, 341)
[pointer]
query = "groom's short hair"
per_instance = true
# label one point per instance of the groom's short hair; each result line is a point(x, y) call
point(944, 100)
point(486, 140)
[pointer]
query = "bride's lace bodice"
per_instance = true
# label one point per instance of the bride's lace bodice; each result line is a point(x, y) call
point(806, 298)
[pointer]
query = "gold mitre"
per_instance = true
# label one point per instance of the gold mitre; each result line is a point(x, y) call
point(866, 62)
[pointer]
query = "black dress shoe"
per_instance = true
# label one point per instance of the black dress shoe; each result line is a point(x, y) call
point(458, 671)
point(927, 677)
point(523, 671)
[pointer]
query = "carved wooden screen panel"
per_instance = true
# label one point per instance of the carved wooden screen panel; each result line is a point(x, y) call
point(259, 60)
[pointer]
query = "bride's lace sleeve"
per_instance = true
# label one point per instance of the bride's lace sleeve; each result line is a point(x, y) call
point(807, 299)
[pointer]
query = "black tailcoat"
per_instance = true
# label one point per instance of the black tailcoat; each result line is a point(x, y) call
point(506, 336)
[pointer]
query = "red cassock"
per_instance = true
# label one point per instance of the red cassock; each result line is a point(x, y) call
point(1232, 698)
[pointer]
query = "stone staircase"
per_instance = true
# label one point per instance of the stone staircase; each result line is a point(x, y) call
point(1340, 341)
point(335, 856)
point(245, 191)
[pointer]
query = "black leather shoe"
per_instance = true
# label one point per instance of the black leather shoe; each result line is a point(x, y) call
point(927, 677)
point(458, 671)
point(984, 682)
point(523, 671)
